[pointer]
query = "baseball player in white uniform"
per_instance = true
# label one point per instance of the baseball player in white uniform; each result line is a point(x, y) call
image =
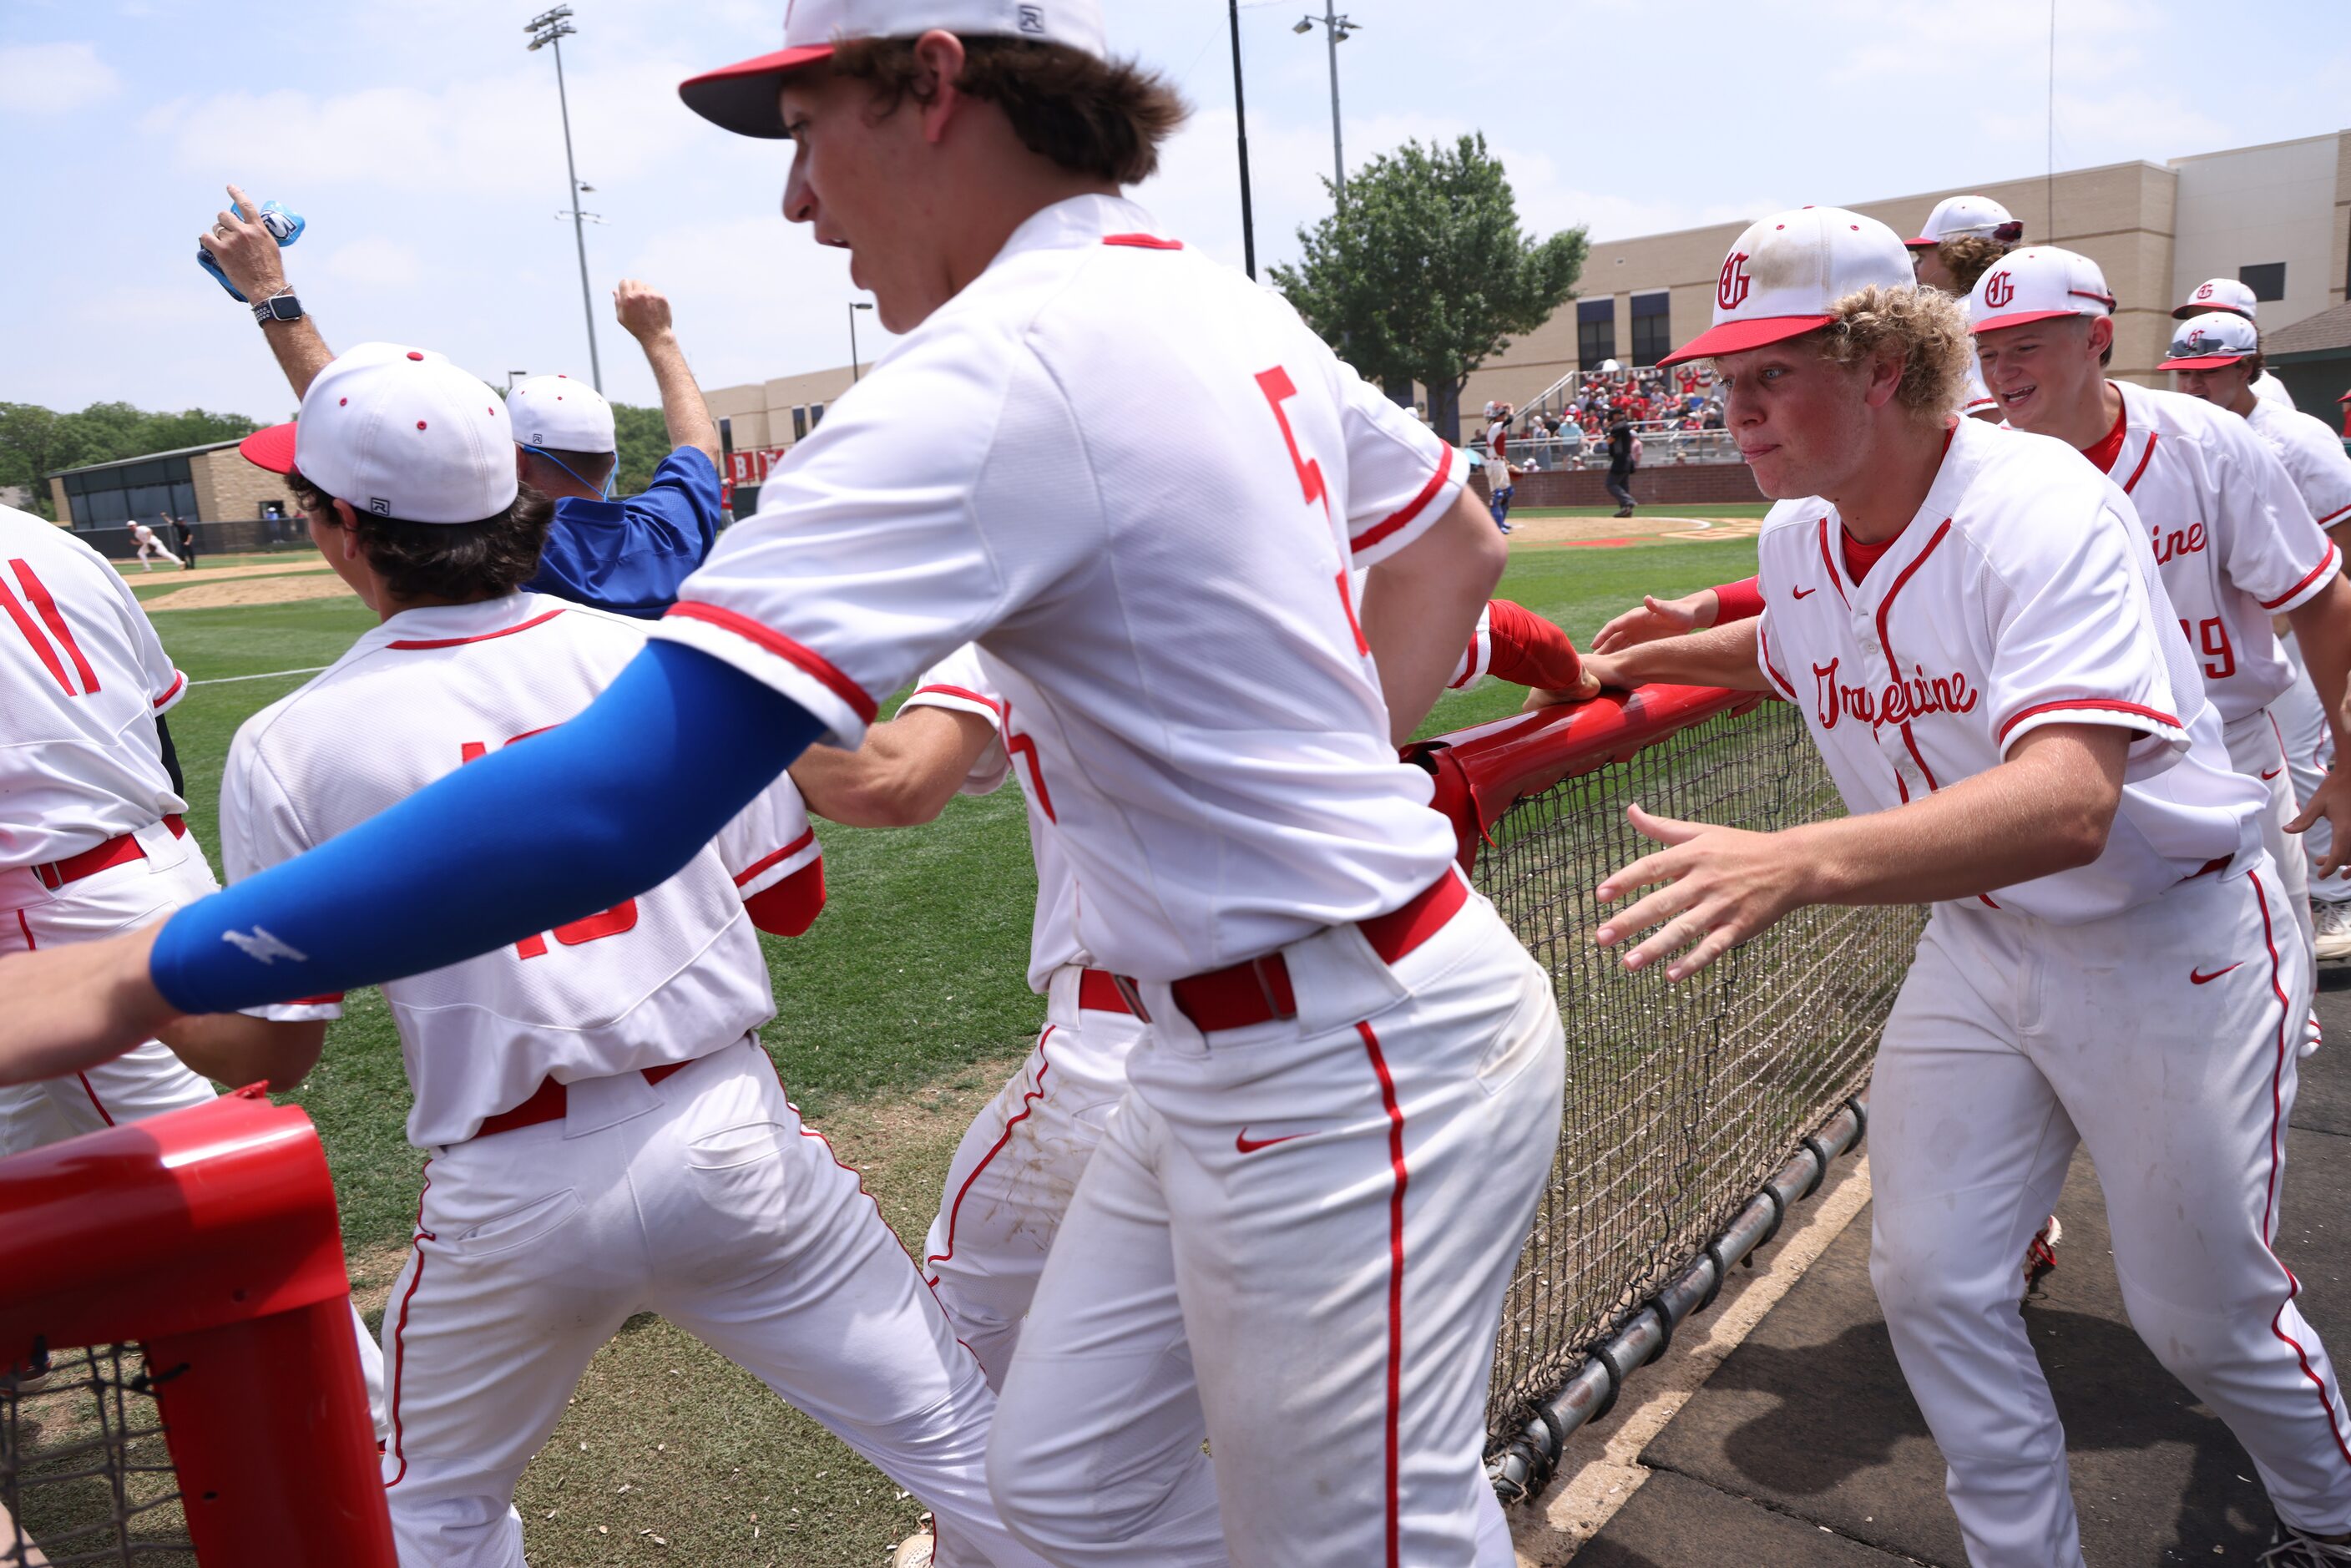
point(2235, 541)
point(1962, 237)
point(92, 836)
point(2235, 298)
point(150, 547)
point(2216, 357)
point(1501, 481)
point(1019, 1161)
point(1295, 1239)
point(606, 1134)
point(1975, 629)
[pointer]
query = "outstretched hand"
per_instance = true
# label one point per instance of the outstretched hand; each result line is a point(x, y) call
point(75, 1007)
point(644, 309)
point(2329, 803)
point(1656, 618)
point(1715, 887)
point(246, 251)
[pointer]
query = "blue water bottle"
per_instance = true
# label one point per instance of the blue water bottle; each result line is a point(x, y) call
point(285, 227)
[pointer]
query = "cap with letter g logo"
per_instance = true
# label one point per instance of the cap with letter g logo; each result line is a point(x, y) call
point(1785, 273)
point(2220, 294)
point(399, 432)
point(2037, 283)
point(741, 98)
point(2210, 340)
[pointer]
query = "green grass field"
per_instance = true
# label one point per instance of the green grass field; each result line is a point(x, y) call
point(898, 1012)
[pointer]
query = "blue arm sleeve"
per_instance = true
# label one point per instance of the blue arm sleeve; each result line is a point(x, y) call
point(593, 813)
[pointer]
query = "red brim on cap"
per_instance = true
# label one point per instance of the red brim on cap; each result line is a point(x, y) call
point(741, 98)
point(1733, 336)
point(1922, 243)
point(272, 448)
point(2001, 323)
point(2208, 362)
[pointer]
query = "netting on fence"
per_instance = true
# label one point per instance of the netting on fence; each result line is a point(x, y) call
point(85, 1474)
point(1681, 1099)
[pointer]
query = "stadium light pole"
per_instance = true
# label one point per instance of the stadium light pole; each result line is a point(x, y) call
point(546, 30)
point(1336, 30)
point(1241, 132)
point(854, 307)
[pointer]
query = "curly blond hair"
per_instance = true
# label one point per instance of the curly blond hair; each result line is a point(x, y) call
point(1928, 328)
point(1970, 257)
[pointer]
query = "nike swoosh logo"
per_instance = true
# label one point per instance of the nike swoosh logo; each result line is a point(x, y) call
point(2272, 774)
point(1248, 1146)
point(1802, 592)
point(2196, 979)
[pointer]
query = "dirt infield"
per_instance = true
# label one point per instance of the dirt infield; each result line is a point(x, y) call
point(1602, 533)
point(248, 566)
point(250, 588)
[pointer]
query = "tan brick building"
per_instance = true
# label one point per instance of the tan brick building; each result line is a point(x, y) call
point(208, 483)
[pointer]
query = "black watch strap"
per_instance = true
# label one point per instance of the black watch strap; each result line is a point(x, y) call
point(283, 305)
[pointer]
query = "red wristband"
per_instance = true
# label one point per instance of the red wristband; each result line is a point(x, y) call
point(1740, 600)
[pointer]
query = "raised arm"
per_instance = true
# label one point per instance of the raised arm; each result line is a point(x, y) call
point(644, 311)
point(1420, 603)
point(251, 259)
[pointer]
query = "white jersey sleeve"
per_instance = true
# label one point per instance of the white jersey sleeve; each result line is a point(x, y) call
point(959, 684)
point(769, 840)
point(2272, 548)
point(2313, 455)
point(1402, 476)
point(1477, 660)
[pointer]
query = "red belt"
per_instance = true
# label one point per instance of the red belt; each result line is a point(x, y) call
point(115, 851)
point(1258, 990)
point(550, 1099)
point(2218, 863)
point(1098, 992)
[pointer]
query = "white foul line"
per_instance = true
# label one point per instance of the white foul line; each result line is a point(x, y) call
point(265, 675)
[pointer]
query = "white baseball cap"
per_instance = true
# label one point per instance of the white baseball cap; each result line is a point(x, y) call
point(741, 98)
point(1967, 216)
point(556, 410)
point(2214, 339)
point(1785, 273)
point(2220, 294)
point(2036, 284)
point(401, 432)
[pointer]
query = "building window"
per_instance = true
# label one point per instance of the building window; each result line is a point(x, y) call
point(115, 496)
point(799, 424)
point(2266, 279)
point(816, 414)
point(1653, 335)
point(1595, 333)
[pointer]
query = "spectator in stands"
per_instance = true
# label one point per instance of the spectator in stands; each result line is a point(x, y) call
point(628, 555)
point(185, 532)
point(1620, 466)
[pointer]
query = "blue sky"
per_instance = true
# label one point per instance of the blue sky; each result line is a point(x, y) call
point(422, 142)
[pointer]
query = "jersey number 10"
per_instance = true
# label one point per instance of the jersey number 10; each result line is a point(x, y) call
point(622, 917)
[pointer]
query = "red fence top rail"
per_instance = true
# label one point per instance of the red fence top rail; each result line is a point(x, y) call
point(1481, 772)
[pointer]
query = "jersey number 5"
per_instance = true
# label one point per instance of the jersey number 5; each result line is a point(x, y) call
point(622, 917)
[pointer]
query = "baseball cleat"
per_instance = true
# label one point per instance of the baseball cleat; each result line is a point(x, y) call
point(2041, 1253)
point(2333, 922)
point(916, 1551)
point(2290, 1548)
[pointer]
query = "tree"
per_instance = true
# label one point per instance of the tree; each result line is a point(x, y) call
point(641, 435)
point(34, 441)
point(1422, 272)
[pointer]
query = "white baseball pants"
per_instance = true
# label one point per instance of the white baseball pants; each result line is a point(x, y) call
point(2164, 1041)
point(1017, 1167)
point(1294, 1243)
point(158, 547)
point(148, 1079)
point(703, 1198)
point(2309, 753)
point(2257, 750)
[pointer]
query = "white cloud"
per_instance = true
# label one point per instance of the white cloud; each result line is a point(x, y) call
point(53, 79)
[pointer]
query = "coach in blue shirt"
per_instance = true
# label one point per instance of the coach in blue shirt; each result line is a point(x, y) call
point(628, 555)
point(622, 555)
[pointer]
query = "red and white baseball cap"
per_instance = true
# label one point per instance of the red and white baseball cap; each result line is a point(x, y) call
point(1785, 273)
point(2214, 339)
point(2036, 284)
point(400, 433)
point(556, 410)
point(2218, 293)
point(1967, 216)
point(741, 98)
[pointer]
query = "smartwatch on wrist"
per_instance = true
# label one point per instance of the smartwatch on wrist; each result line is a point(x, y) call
point(282, 305)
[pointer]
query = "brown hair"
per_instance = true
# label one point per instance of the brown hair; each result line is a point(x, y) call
point(1106, 117)
point(1970, 257)
point(1926, 327)
point(458, 562)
